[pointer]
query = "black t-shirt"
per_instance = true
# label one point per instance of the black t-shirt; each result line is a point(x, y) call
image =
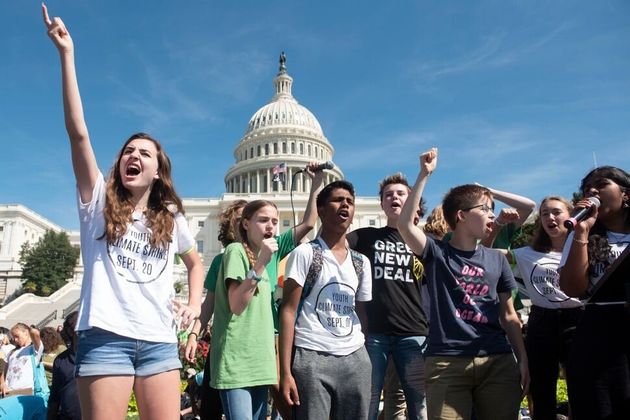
point(464, 287)
point(64, 387)
point(397, 275)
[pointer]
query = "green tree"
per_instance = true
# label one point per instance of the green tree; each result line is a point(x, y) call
point(47, 265)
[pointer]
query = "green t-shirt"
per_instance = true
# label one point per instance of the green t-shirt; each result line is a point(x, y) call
point(243, 351)
point(285, 245)
point(213, 272)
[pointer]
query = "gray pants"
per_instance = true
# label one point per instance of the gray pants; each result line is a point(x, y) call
point(335, 387)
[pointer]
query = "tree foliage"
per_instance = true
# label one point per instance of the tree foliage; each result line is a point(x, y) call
point(47, 265)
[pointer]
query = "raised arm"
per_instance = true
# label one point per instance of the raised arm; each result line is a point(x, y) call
point(413, 235)
point(523, 205)
point(83, 160)
point(574, 273)
point(310, 213)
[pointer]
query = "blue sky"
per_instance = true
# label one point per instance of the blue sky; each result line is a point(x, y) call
point(517, 95)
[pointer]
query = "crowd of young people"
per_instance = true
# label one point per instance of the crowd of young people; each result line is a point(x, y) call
point(436, 305)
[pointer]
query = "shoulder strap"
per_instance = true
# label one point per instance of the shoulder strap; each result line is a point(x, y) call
point(357, 262)
point(313, 273)
point(315, 268)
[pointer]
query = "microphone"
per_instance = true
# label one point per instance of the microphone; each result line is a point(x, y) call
point(581, 213)
point(326, 165)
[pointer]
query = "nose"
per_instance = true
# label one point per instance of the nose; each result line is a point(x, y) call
point(592, 192)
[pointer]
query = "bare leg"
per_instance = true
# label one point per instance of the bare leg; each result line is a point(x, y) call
point(104, 397)
point(158, 395)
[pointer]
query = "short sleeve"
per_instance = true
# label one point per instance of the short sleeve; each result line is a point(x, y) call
point(286, 244)
point(89, 209)
point(213, 272)
point(299, 263)
point(565, 250)
point(364, 292)
point(506, 282)
point(235, 263)
point(185, 240)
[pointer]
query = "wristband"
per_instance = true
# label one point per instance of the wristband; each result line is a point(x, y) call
point(496, 222)
point(251, 274)
point(195, 334)
point(579, 241)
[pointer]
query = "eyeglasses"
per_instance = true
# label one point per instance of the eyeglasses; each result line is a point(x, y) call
point(485, 208)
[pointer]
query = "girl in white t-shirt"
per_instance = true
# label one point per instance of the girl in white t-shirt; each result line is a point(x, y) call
point(599, 363)
point(554, 315)
point(132, 226)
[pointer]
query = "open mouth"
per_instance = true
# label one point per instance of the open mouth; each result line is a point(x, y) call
point(268, 235)
point(490, 224)
point(132, 170)
point(344, 214)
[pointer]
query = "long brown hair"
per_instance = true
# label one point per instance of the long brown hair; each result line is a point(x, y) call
point(248, 212)
point(541, 241)
point(163, 200)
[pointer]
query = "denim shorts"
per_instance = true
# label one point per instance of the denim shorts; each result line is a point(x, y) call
point(101, 352)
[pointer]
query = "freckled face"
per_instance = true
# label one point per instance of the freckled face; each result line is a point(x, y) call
point(138, 165)
point(262, 225)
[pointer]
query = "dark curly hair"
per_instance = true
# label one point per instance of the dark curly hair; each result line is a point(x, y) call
point(598, 246)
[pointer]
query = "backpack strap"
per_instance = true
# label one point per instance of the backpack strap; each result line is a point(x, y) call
point(313, 273)
point(357, 262)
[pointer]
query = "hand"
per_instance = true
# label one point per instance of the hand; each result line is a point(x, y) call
point(57, 32)
point(428, 161)
point(317, 177)
point(524, 369)
point(507, 215)
point(191, 348)
point(586, 224)
point(185, 313)
point(289, 391)
point(267, 248)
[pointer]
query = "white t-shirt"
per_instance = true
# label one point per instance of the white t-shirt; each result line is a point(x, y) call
point(540, 275)
point(128, 285)
point(328, 321)
point(20, 367)
point(618, 243)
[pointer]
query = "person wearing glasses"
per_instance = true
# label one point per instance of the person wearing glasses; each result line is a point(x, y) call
point(475, 332)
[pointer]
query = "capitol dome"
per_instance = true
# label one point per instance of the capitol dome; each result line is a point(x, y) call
point(281, 132)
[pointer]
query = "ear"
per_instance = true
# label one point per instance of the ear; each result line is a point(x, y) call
point(461, 216)
point(245, 223)
point(157, 175)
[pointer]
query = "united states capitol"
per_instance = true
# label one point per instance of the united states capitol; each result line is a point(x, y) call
point(281, 132)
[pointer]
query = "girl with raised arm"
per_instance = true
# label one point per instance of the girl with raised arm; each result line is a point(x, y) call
point(554, 315)
point(132, 226)
point(599, 362)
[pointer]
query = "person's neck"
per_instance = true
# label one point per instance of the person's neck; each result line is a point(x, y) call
point(557, 243)
point(392, 222)
point(335, 240)
point(462, 241)
point(140, 200)
point(617, 224)
point(255, 249)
